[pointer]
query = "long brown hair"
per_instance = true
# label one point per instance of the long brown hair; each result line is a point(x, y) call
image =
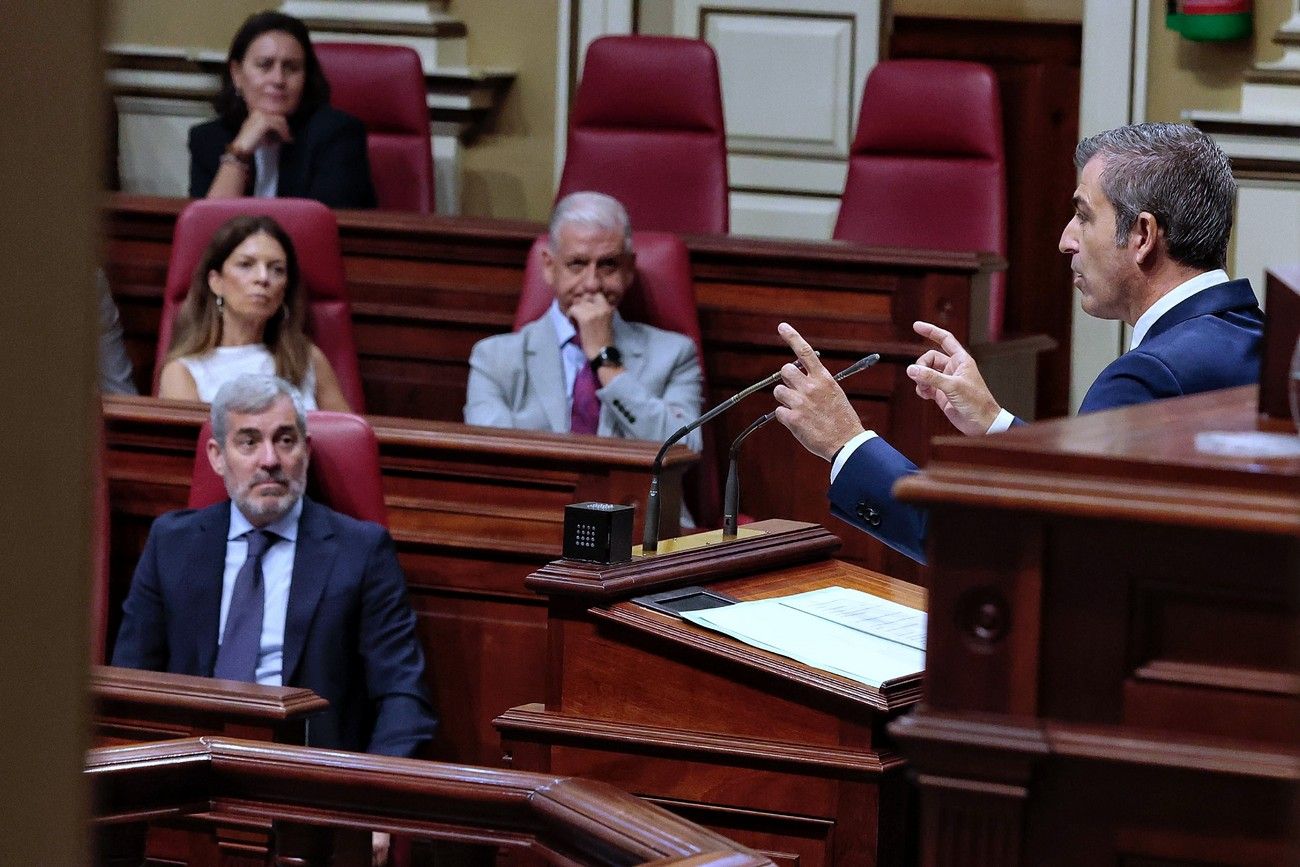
point(198, 324)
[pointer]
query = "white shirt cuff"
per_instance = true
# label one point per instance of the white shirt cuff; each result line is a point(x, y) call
point(847, 451)
point(1001, 423)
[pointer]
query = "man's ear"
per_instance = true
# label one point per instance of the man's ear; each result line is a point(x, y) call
point(1145, 238)
point(216, 458)
point(548, 265)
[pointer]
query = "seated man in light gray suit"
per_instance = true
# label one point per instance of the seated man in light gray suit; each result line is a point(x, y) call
point(581, 367)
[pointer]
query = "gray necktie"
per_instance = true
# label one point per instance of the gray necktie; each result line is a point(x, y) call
point(241, 644)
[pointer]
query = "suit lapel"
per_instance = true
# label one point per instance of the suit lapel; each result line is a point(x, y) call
point(1211, 301)
point(312, 563)
point(546, 373)
point(203, 575)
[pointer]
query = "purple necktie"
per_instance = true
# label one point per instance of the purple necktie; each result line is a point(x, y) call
point(241, 644)
point(586, 406)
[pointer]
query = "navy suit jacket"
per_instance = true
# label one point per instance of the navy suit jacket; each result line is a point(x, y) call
point(349, 634)
point(1209, 341)
point(327, 159)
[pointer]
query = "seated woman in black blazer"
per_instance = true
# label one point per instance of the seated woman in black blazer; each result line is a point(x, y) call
point(276, 134)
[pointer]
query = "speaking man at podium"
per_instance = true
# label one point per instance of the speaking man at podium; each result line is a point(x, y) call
point(1148, 245)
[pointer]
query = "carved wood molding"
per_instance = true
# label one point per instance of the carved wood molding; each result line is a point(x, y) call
point(125, 687)
point(532, 722)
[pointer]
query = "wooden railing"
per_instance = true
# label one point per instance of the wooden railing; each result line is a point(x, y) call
point(132, 706)
point(309, 796)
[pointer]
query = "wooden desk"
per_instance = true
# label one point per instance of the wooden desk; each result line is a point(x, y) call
point(473, 511)
point(424, 289)
point(301, 796)
point(1113, 661)
point(784, 758)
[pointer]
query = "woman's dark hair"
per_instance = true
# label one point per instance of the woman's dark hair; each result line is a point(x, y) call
point(316, 90)
point(198, 324)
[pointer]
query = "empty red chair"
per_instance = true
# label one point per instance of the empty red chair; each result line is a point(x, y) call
point(343, 473)
point(383, 86)
point(663, 295)
point(647, 128)
point(315, 235)
point(927, 168)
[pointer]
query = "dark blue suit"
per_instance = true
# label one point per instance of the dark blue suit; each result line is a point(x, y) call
point(349, 634)
point(326, 161)
point(1209, 341)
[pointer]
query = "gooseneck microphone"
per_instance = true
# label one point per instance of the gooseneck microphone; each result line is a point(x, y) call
point(650, 541)
point(731, 497)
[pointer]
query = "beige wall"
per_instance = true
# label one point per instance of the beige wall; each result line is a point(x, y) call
point(509, 169)
point(51, 110)
point(187, 23)
point(1185, 75)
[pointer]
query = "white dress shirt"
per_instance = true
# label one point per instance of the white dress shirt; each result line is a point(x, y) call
point(277, 573)
point(266, 159)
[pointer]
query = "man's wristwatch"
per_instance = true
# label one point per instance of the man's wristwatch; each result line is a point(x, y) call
point(607, 355)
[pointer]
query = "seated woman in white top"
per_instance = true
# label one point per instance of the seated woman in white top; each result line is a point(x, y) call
point(245, 314)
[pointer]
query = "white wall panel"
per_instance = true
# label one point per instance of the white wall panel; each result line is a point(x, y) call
point(787, 81)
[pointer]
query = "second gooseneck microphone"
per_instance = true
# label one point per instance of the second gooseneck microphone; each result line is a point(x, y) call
point(731, 496)
point(650, 541)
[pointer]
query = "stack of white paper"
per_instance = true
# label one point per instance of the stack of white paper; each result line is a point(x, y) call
point(846, 632)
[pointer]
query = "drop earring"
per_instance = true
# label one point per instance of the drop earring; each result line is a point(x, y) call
point(221, 303)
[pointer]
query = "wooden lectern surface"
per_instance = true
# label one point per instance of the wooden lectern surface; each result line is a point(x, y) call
point(472, 510)
point(1113, 653)
point(782, 757)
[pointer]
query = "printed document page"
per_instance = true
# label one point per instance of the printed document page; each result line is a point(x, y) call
point(789, 627)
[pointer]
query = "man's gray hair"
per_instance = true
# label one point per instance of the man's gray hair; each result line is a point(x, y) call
point(251, 393)
point(1174, 172)
point(594, 210)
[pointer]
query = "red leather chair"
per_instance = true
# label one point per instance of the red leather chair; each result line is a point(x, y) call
point(662, 295)
point(647, 128)
point(383, 86)
point(343, 473)
point(927, 168)
point(315, 235)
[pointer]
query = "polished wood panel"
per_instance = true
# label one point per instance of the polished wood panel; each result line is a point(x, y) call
point(1281, 340)
point(1113, 669)
point(472, 510)
point(780, 756)
point(424, 289)
point(1037, 66)
point(132, 706)
point(303, 795)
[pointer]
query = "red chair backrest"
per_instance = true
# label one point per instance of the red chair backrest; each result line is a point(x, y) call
point(383, 86)
point(315, 235)
point(927, 168)
point(662, 295)
point(647, 128)
point(343, 473)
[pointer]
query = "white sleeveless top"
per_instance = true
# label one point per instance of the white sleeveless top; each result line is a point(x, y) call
point(213, 369)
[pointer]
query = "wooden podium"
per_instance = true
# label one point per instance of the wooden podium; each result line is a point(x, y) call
point(1113, 635)
point(786, 759)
